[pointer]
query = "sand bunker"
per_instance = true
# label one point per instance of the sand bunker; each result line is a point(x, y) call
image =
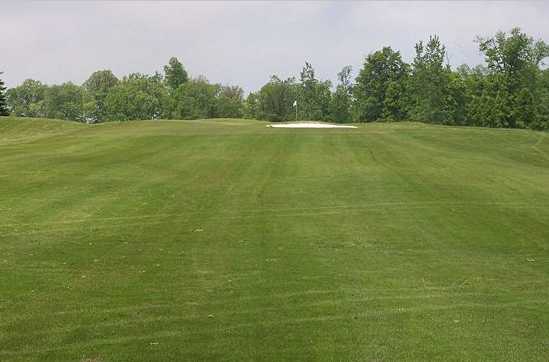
point(308, 125)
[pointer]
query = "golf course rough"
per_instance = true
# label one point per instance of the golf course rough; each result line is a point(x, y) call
point(227, 239)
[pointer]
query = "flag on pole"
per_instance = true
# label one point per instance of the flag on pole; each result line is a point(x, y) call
point(295, 103)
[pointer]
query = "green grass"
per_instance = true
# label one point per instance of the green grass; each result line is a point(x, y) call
point(225, 239)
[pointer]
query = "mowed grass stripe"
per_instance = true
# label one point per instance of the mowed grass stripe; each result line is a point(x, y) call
point(161, 334)
point(228, 240)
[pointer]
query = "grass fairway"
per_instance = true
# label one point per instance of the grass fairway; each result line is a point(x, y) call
point(199, 240)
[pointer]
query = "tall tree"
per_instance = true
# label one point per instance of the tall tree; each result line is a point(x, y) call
point(513, 61)
point(429, 83)
point(98, 86)
point(342, 97)
point(3, 101)
point(380, 85)
point(314, 96)
point(175, 74)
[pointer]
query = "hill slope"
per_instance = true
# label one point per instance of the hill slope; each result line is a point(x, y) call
point(226, 239)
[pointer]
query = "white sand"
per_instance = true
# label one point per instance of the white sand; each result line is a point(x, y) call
point(308, 125)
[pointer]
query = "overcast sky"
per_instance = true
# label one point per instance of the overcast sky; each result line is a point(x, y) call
point(240, 42)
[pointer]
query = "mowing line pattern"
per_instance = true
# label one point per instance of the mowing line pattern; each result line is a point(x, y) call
point(224, 239)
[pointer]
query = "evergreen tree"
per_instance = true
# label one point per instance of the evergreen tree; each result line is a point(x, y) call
point(3, 101)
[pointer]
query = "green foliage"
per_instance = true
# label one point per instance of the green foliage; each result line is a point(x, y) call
point(313, 97)
point(513, 61)
point(512, 90)
point(342, 97)
point(175, 74)
point(230, 102)
point(276, 99)
point(380, 86)
point(65, 101)
point(513, 55)
point(3, 101)
point(195, 99)
point(251, 106)
point(98, 86)
point(456, 100)
point(137, 96)
point(27, 99)
point(100, 82)
point(429, 83)
point(542, 105)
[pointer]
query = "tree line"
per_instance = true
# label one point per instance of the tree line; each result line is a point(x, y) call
point(510, 90)
point(104, 97)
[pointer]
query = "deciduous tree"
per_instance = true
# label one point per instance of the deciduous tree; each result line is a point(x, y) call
point(65, 101)
point(513, 61)
point(27, 99)
point(230, 102)
point(383, 74)
point(342, 97)
point(196, 99)
point(429, 83)
point(175, 74)
point(276, 99)
point(313, 100)
point(98, 86)
point(137, 96)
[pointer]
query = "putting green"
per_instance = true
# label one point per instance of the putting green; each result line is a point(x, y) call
point(226, 239)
